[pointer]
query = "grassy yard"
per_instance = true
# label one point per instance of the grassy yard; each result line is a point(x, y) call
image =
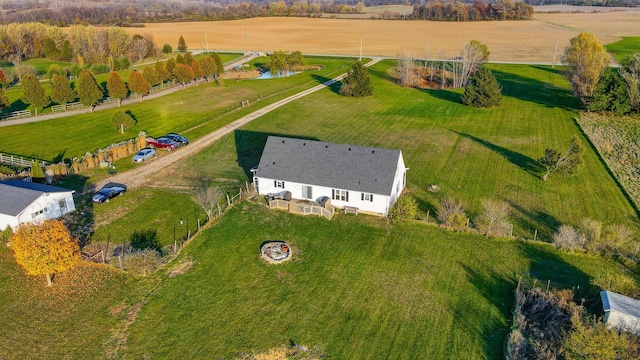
point(471, 153)
point(201, 107)
point(357, 287)
point(624, 48)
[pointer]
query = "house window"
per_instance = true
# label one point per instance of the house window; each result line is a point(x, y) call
point(307, 192)
point(342, 195)
point(63, 206)
point(278, 184)
point(366, 197)
point(37, 213)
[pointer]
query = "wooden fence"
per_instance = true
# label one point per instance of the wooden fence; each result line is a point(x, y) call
point(302, 208)
point(16, 115)
point(19, 160)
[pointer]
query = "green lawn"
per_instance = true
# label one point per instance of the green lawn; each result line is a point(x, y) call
point(357, 288)
point(471, 153)
point(624, 48)
point(205, 104)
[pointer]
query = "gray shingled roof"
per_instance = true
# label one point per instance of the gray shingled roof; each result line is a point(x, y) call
point(340, 166)
point(623, 304)
point(16, 195)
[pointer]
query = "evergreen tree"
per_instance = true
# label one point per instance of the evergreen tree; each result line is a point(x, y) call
point(167, 49)
point(138, 84)
point(116, 87)
point(183, 73)
point(357, 82)
point(122, 121)
point(611, 95)
point(61, 91)
point(182, 45)
point(33, 92)
point(89, 91)
point(482, 89)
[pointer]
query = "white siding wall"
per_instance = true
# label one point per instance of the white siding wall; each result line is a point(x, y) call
point(6, 220)
point(50, 204)
point(398, 181)
point(379, 205)
point(617, 320)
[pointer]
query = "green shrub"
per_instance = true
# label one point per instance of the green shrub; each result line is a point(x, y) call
point(167, 49)
point(405, 209)
point(100, 69)
point(142, 262)
point(451, 214)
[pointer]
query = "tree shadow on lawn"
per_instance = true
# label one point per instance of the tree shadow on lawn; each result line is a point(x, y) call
point(17, 105)
point(522, 161)
point(535, 219)
point(145, 239)
point(536, 91)
point(249, 147)
point(334, 87)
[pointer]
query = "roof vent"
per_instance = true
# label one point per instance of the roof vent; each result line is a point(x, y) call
point(304, 144)
point(274, 163)
point(283, 141)
point(326, 146)
point(373, 151)
point(349, 149)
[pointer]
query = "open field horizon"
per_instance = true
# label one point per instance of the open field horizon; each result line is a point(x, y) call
point(517, 41)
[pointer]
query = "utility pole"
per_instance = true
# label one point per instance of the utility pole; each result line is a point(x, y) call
point(246, 48)
point(360, 48)
point(554, 55)
point(206, 40)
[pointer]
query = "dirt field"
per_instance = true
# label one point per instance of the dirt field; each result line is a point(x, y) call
point(507, 40)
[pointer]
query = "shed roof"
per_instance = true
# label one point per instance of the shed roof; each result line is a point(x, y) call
point(16, 195)
point(340, 166)
point(623, 304)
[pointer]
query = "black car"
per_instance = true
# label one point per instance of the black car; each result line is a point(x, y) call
point(177, 138)
point(107, 193)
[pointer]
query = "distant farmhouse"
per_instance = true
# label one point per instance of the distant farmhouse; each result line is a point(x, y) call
point(26, 202)
point(367, 179)
point(621, 312)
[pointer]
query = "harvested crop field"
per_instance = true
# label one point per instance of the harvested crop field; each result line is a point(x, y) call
point(521, 41)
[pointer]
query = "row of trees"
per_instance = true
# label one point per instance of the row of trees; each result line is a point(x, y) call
point(478, 11)
point(21, 41)
point(183, 69)
point(65, 13)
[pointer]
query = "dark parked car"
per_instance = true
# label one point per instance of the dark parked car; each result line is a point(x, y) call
point(177, 138)
point(107, 193)
point(144, 154)
point(162, 143)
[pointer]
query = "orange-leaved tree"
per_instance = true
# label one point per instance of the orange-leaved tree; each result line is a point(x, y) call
point(44, 248)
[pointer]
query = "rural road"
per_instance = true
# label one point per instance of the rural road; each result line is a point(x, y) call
point(141, 175)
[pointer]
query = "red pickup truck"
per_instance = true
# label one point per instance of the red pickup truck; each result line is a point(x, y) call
point(162, 143)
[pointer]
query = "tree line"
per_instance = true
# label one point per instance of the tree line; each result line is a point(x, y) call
point(183, 69)
point(477, 11)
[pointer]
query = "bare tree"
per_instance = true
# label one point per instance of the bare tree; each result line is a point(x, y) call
point(474, 54)
point(139, 48)
point(568, 238)
point(208, 197)
point(407, 71)
point(493, 221)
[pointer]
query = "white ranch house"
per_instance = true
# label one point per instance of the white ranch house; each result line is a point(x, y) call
point(357, 177)
point(27, 202)
point(621, 312)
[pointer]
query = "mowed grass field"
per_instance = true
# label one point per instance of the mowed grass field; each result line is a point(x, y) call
point(624, 48)
point(470, 153)
point(356, 288)
point(194, 111)
point(519, 41)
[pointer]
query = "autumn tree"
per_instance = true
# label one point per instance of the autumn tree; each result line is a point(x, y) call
point(188, 58)
point(219, 64)
point(183, 73)
point(357, 82)
point(89, 91)
point(116, 87)
point(151, 75)
point(180, 59)
point(182, 45)
point(171, 64)
point(122, 121)
point(586, 60)
point(33, 92)
point(162, 72)
point(61, 91)
point(44, 248)
point(55, 69)
point(567, 163)
point(138, 84)
point(482, 90)
point(197, 71)
point(4, 100)
point(208, 66)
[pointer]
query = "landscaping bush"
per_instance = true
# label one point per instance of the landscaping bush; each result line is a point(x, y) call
point(451, 214)
point(568, 238)
point(616, 282)
point(143, 262)
point(100, 69)
point(494, 222)
point(405, 209)
point(122, 63)
point(167, 49)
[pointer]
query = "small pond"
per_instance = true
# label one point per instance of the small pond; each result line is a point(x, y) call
point(267, 75)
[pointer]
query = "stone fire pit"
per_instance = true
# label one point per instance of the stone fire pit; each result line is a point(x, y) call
point(275, 252)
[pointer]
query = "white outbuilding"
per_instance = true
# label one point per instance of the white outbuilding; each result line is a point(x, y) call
point(27, 202)
point(360, 178)
point(621, 312)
